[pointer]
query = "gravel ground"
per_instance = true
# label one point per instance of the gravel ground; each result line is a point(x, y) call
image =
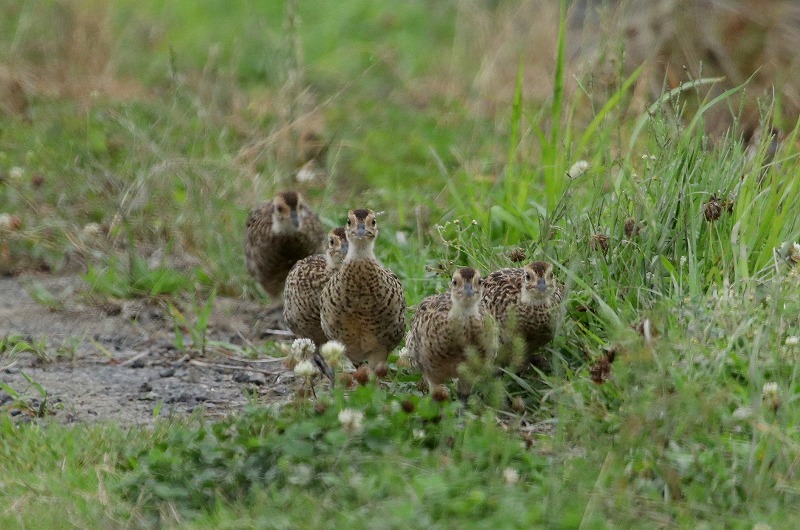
point(117, 361)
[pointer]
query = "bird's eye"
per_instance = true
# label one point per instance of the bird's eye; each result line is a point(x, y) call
point(374, 222)
point(348, 222)
point(480, 282)
point(455, 282)
point(527, 277)
point(330, 241)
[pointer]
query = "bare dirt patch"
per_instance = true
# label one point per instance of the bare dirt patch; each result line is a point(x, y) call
point(119, 362)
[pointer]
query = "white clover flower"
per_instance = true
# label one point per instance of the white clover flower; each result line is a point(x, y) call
point(793, 340)
point(770, 396)
point(307, 173)
point(395, 407)
point(578, 169)
point(402, 238)
point(352, 421)
point(6, 220)
point(510, 475)
point(332, 352)
point(285, 348)
point(92, 230)
point(16, 173)
point(418, 434)
point(305, 368)
point(302, 348)
point(770, 390)
point(794, 252)
point(742, 414)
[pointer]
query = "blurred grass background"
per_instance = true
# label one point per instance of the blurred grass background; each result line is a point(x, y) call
point(114, 111)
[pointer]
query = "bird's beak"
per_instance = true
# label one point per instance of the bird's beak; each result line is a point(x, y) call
point(345, 246)
point(468, 290)
point(361, 230)
point(295, 219)
point(541, 285)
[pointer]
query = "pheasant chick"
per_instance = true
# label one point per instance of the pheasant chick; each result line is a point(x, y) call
point(525, 301)
point(363, 305)
point(278, 234)
point(445, 326)
point(304, 284)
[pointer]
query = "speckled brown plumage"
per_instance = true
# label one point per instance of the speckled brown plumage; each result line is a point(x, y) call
point(524, 302)
point(278, 234)
point(363, 304)
point(446, 325)
point(304, 284)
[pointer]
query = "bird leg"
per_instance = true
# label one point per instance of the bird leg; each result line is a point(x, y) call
point(323, 366)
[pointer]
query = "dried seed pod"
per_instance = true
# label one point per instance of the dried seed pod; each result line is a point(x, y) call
point(362, 375)
point(712, 209)
point(599, 242)
point(517, 255)
point(600, 371)
point(632, 228)
point(407, 405)
point(440, 393)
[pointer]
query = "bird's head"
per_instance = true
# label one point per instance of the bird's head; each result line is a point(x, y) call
point(286, 212)
point(361, 226)
point(539, 285)
point(337, 247)
point(466, 287)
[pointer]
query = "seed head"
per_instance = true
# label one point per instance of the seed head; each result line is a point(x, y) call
point(352, 421)
point(92, 230)
point(362, 375)
point(510, 476)
point(517, 255)
point(599, 242)
point(305, 368)
point(794, 253)
point(770, 396)
point(632, 228)
point(440, 394)
point(332, 352)
point(302, 348)
point(578, 169)
point(712, 209)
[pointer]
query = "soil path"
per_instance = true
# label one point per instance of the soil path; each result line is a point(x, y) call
point(118, 361)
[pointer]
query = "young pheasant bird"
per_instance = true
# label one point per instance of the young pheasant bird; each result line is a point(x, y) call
point(446, 325)
point(363, 304)
point(304, 284)
point(278, 234)
point(524, 302)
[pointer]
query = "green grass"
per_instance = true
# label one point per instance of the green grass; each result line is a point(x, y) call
point(681, 434)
